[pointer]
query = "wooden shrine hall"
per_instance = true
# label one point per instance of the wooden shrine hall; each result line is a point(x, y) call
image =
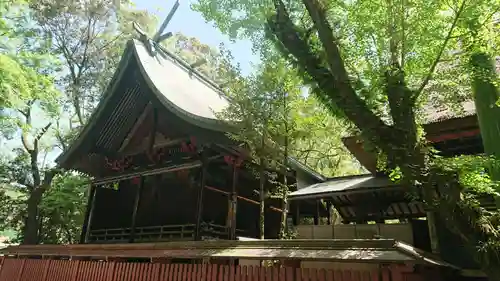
point(162, 164)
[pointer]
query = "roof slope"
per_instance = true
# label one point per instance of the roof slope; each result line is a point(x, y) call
point(179, 87)
point(341, 184)
point(435, 113)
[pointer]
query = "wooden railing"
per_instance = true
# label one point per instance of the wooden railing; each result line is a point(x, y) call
point(144, 234)
point(159, 233)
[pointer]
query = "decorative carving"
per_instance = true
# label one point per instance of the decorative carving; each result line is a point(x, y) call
point(118, 165)
point(189, 147)
point(159, 156)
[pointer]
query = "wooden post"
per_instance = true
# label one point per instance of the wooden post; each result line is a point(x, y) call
point(199, 207)
point(316, 213)
point(433, 234)
point(329, 214)
point(88, 215)
point(296, 215)
point(136, 206)
point(234, 202)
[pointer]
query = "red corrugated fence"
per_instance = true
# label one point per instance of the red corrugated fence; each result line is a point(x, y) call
point(75, 270)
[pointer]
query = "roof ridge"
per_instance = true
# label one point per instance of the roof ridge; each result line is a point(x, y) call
point(350, 177)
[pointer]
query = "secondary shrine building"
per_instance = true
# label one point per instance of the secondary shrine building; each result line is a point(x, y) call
point(162, 164)
point(372, 206)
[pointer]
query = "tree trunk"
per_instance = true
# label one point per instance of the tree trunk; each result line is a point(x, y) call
point(488, 113)
point(31, 226)
point(284, 214)
point(262, 184)
point(284, 190)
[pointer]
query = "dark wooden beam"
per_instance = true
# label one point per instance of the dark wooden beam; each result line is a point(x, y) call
point(234, 202)
point(329, 214)
point(316, 214)
point(454, 135)
point(454, 124)
point(152, 135)
point(199, 207)
point(88, 214)
point(136, 206)
point(241, 198)
point(159, 170)
point(138, 124)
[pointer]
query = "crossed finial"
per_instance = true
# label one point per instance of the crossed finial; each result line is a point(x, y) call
point(159, 36)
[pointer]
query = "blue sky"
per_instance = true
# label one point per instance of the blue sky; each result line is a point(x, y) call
point(193, 24)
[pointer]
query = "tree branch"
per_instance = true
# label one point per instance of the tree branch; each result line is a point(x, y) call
point(420, 89)
point(24, 135)
point(48, 177)
point(334, 83)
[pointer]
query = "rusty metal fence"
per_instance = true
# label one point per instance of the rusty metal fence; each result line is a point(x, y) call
point(75, 270)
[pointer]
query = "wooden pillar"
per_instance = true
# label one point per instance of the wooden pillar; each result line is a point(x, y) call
point(136, 206)
point(88, 215)
point(316, 213)
point(329, 212)
point(199, 205)
point(433, 234)
point(234, 203)
point(296, 212)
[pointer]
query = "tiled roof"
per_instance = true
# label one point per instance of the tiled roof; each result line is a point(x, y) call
point(436, 113)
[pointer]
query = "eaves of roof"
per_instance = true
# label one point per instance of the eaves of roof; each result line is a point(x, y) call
point(356, 250)
point(294, 163)
point(120, 71)
point(338, 185)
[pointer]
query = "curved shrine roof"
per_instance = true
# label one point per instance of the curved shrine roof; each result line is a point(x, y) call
point(183, 90)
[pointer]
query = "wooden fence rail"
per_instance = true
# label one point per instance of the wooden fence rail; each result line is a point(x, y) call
point(74, 270)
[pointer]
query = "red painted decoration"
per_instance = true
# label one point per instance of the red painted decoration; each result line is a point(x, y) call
point(119, 164)
point(189, 148)
point(228, 159)
point(238, 162)
point(155, 156)
point(136, 180)
point(232, 161)
point(452, 136)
